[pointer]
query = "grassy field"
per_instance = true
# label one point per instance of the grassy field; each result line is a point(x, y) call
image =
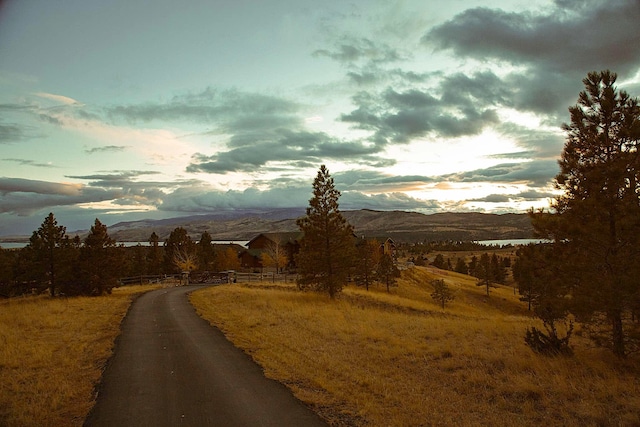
point(52, 352)
point(372, 358)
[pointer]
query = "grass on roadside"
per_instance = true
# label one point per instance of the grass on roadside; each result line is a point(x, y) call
point(52, 353)
point(372, 358)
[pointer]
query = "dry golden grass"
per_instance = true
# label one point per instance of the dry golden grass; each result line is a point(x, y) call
point(372, 358)
point(52, 353)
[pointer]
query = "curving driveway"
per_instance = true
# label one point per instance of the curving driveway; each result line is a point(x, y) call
point(171, 368)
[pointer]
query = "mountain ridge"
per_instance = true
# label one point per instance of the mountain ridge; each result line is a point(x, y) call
point(398, 225)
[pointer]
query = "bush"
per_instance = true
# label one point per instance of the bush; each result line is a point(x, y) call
point(549, 344)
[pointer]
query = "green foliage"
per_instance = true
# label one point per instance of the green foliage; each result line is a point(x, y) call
point(327, 248)
point(441, 292)
point(596, 220)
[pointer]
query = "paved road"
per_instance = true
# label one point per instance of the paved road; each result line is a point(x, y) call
point(171, 368)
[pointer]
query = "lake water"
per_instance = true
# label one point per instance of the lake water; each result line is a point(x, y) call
point(513, 242)
point(18, 245)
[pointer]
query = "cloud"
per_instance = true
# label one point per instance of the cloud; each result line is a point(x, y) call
point(227, 108)
point(353, 200)
point(58, 98)
point(258, 131)
point(351, 50)
point(26, 162)
point(536, 172)
point(283, 145)
point(294, 195)
point(198, 199)
point(398, 117)
point(24, 196)
point(107, 149)
point(568, 37)
point(557, 47)
point(370, 181)
point(11, 133)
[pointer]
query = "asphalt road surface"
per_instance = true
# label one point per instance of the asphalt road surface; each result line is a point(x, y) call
point(171, 368)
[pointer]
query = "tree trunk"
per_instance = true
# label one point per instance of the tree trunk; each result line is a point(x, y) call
point(617, 334)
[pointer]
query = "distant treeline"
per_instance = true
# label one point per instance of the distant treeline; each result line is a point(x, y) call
point(64, 265)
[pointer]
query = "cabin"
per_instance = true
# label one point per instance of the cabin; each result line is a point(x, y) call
point(387, 247)
point(251, 258)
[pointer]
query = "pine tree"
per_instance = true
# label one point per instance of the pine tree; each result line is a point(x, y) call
point(387, 272)
point(483, 272)
point(597, 219)
point(366, 263)
point(45, 250)
point(154, 255)
point(327, 247)
point(441, 292)
point(206, 254)
point(99, 262)
point(461, 266)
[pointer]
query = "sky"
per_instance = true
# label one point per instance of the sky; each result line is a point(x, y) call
point(133, 109)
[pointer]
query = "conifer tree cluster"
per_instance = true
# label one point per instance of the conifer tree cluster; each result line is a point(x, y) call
point(592, 266)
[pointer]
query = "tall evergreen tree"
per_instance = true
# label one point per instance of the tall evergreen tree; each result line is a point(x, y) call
point(597, 218)
point(328, 247)
point(154, 255)
point(99, 262)
point(205, 252)
point(45, 247)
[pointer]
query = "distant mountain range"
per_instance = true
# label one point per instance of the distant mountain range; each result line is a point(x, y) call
point(399, 225)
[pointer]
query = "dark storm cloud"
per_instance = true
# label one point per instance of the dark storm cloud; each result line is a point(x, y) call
point(536, 172)
point(257, 129)
point(282, 145)
point(401, 116)
point(571, 36)
point(557, 47)
point(24, 196)
point(115, 178)
point(481, 88)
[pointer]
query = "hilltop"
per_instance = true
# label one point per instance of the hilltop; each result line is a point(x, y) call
point(399, 225)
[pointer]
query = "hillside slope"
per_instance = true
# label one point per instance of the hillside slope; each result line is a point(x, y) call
point(399, 225)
